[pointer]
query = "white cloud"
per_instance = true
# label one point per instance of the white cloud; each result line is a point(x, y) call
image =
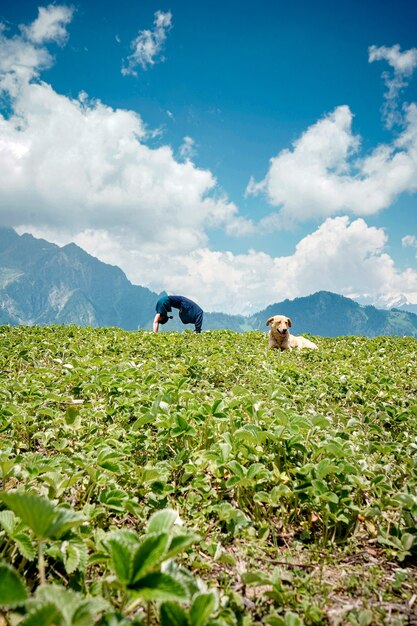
point(50, 25)
point(148, 45)
point(23, 57)
point(187, 149)
point(80, 164)
point(323, 175)
point(19, 60)
point(401, 62)
point(78, 170)
point(403, 65)
point(409, 241)
point(342, 256)
point(72, 166)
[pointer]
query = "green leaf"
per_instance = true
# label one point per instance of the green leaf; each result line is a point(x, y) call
point(329, 496)
point(110, 460)
point(179, 543)
point(365, 617)
point(225, 450)
point(319, 486)
point(12, 589)
point(162, 521)
point(8, 521)
point(201, 608)
point(25, 546)
point(142, 421)
point(172, 614)
point(72, 557)
point(121, 559)
point(324, 468)
point(47, 412)
point(83, 615)
point(234, 480)
point(292, 619)
point(43, 615)
point(255, 469)
point(64, 520)
point(255, 578)
point(6, 464)
point(248, 433)
point(237, 468)
point(77, 550)
point(71, 414)
point(407, 541)
point(274, 620)
point(149, 554)
point(41, 515)
point(72, 609)
point(159, 586)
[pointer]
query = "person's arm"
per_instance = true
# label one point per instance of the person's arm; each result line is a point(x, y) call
point(199, 322)
point(156, 322)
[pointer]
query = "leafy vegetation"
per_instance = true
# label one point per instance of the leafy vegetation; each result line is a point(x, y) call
point(189, 480)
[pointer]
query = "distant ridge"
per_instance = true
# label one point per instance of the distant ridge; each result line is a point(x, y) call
point(42, 283)
point(332, 315)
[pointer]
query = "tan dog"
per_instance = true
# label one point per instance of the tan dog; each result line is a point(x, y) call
point(281, 338)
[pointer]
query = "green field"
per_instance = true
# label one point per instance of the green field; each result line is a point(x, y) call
point(193, 480)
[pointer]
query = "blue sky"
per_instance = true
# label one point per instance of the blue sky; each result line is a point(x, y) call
point(239, 153)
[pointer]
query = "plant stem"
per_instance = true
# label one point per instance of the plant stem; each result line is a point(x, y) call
point(41, 564)
point(132, 606)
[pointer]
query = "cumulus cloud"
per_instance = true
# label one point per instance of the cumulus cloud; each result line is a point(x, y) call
point(50, 25)
point(19, 60)
point(80, 164)
point(323, 174)
point(402, 65)
point(74, 165)
point(74, 169)
point(341, 255)
point(23, 56)
point(148, 45)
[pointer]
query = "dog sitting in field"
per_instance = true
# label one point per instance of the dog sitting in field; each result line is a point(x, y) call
point(281, 338)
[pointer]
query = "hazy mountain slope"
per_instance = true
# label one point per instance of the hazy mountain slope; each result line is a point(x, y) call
point(331, 315)
point(41, 283)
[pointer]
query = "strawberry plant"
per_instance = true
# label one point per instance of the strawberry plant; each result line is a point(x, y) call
point(203, 480)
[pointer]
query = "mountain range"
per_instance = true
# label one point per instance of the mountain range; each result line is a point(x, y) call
point(42, 283)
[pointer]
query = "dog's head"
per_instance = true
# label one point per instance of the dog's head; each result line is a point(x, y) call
point(280, 325)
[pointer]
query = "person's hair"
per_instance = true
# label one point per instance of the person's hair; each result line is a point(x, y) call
point(163, 319)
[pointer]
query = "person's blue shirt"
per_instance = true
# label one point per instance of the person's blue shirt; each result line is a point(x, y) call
point(189, 311)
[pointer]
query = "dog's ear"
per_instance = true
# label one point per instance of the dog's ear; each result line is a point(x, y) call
point(269, 321)
point(289, 322)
